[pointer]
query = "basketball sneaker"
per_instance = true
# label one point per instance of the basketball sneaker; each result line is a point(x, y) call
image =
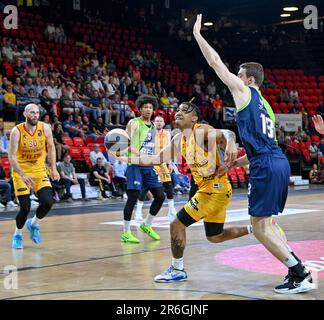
point(34, 232)
point(129, 238)
point(17, 242)
point(149, 231)
point(294, 284)
point(172, 275)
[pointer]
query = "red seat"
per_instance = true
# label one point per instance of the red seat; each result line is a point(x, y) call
point(86, 152)
point(76, 153)
point(5, 163)
point(90, 145)
point(88, 140)
point(68, 141)
point(100, 140)
point(78, 142)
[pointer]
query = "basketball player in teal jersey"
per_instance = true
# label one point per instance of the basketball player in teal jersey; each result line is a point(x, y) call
point(141, 133)
point(269, 168)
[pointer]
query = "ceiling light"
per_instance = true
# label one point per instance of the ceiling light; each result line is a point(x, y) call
point(208, 24)
point(185, 19)
point(290, 9)
point(285, 15)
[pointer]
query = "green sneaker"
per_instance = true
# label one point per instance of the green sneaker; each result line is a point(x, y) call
point(149, 231)
point(129, 238)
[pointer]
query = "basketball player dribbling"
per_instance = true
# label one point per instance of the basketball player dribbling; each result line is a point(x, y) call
point(197, 144)
point(269, 168)
point(27, 155)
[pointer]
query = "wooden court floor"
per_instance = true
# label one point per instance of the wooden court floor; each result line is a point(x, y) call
point(80, 258)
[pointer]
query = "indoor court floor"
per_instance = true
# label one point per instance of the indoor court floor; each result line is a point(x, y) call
point(81, 256)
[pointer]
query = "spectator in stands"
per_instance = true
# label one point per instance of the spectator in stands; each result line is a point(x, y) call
point(53, 90)
point(78, 105)
point(20, 70)
point(313, 150)
point(197, 89)
point(32, 71)
point(295, 108)
point(119, 176)
point(321, 147)
point(200, 76)
point(61, 148)
point(293, 94)
point(40, 85)
point(10, 101)
point(315, 176)
point(99, 177)
point(67, 104)
point(159, 90)
point(59, 35)
point(116, 80)
point(4, 142)
point(137, 74)
point(7, 51)
point(301, 133)
point(5, 185)
point(164, 100)
point(100, 128)
point(123, 87)
point(111, 66)
point(45, 102)
point(97, 85)
point(174, 102)
point(69, 178)
point(284, 96)
point(116, 108)
point(27, 55)
point(211, 89)
point(95, 154)
point(29, 85)
point(88, 127)
point(50, 31)
point(69, 127)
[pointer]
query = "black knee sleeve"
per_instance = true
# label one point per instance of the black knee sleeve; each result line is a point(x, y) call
point(130, 204)
point(45, 197)
point(159, 197)
point(142, 195)
point(24, 202)
point(168, 189)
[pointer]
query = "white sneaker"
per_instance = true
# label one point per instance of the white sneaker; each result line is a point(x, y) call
point(172, 214)
point(34, 203)
point(11, 204)
point(33, 197)
point(125, 196)
point(2, 206)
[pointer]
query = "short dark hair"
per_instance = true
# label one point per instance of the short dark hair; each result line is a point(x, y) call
point(144, 99)
point(193, 108)
point(254, 69)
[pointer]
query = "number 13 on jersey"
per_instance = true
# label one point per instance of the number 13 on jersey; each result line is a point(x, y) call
point(267, 126)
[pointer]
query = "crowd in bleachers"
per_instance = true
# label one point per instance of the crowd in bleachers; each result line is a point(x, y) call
point(84, 89)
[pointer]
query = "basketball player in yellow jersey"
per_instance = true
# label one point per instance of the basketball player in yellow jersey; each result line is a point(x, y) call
point(162, 139)
point(27, 155)
point(197, 144)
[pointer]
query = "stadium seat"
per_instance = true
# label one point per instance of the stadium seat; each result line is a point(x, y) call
point(68, 141)
point(76, 153)
point(78, 142)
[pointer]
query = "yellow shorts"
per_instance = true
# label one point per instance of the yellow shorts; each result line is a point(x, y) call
point(210, 207)
point(41, 181)
point(164, 176)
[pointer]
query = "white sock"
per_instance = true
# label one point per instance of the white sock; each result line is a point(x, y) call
point(18, 232)
point(178, 263)
point(171, 204)
point(249, 229)
point(139, 206)
point(149, 220)
point(290, 261)
point(127, 225)
point(35, 221)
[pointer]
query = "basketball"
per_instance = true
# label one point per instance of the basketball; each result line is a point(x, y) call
point(117, 141)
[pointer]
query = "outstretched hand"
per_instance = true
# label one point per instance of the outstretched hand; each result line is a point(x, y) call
point(319, 123)
point(197, 26)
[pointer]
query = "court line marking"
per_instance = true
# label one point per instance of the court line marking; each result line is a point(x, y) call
point(133, 289)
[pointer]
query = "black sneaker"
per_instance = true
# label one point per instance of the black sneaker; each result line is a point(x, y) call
point(294, 284)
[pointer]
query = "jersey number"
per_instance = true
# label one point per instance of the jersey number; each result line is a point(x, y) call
point(267, 126)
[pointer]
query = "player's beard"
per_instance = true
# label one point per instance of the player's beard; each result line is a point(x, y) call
point(32, 122)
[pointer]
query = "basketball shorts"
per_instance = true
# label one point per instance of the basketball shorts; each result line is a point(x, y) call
point(209, 207)
point(268, 185)
point(41, 181)
point(139, 178)
point(164, 173)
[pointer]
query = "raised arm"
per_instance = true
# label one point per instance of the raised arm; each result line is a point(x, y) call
point(233, 82)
